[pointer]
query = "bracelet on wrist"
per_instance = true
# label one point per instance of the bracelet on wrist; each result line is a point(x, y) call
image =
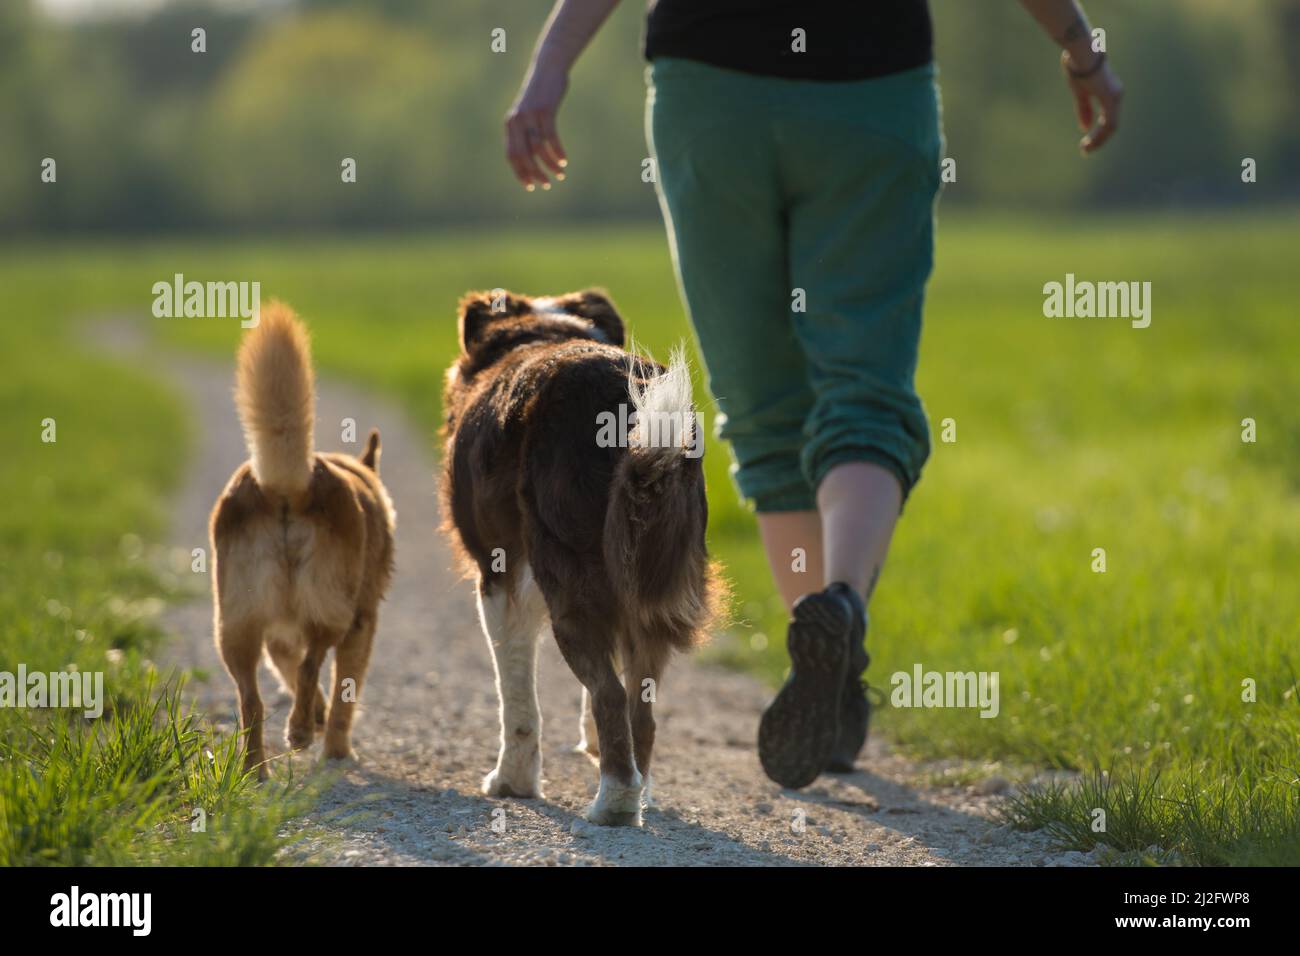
point(1082, 74)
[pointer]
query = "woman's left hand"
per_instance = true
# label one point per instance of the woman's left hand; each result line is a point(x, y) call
point(1096, 99)
point(530, 128)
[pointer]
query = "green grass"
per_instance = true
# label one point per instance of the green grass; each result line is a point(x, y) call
point(81, 590)
point(1072, 434)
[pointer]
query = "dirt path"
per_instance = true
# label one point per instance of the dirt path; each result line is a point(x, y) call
point(427, 732)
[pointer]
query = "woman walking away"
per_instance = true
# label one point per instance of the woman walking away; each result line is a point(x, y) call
point(798, 150)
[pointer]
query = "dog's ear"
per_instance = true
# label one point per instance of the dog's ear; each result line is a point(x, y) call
point(371, 458)
point(478, 310)
point(596, 307)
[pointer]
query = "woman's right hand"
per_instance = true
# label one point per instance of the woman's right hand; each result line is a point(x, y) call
point(531, 140)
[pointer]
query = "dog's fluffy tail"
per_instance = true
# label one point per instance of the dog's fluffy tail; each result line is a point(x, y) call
point(654, 528)
point(275, 395)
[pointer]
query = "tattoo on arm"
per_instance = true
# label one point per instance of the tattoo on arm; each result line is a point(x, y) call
point(1075, 31)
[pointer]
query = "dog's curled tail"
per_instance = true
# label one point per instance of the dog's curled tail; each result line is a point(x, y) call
point(275, 397)
point(654, 529)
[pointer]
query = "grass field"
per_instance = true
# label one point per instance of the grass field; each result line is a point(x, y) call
point(81, 590)
point(1071, 435)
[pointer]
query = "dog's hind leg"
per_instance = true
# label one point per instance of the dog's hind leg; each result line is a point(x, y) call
point(351, 660)
point(285, 656)
point(301, 727)
point(588, 740)
point(644, 671)
point(241, 649)
point(512, 622)
point(618, 801)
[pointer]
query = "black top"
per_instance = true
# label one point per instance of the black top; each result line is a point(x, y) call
point(841, 40)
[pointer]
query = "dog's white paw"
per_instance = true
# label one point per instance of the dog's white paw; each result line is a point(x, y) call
point(617, 804)
point(524, 782)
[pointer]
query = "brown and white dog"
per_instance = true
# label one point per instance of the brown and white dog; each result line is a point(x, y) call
point(564, 521)
point(303, 545)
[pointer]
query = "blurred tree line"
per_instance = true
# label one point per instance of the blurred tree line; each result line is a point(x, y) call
point(149, 135)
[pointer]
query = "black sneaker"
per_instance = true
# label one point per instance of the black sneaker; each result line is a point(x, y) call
point(855, 706)
point(800, 728)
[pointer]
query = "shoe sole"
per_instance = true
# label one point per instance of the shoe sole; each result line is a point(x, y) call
point(797, 734)
point(840, 762)
point(847, 748)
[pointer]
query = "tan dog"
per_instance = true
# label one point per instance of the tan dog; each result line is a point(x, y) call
point(303, 546)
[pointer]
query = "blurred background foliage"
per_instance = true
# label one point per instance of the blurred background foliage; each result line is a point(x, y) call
point(150, 136)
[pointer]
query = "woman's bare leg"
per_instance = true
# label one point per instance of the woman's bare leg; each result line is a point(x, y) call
point(818, 720)
point(845, 539)
point(858, 503)
point(793, 542)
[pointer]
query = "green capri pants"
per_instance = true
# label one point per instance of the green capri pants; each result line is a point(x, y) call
point(801, 219)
